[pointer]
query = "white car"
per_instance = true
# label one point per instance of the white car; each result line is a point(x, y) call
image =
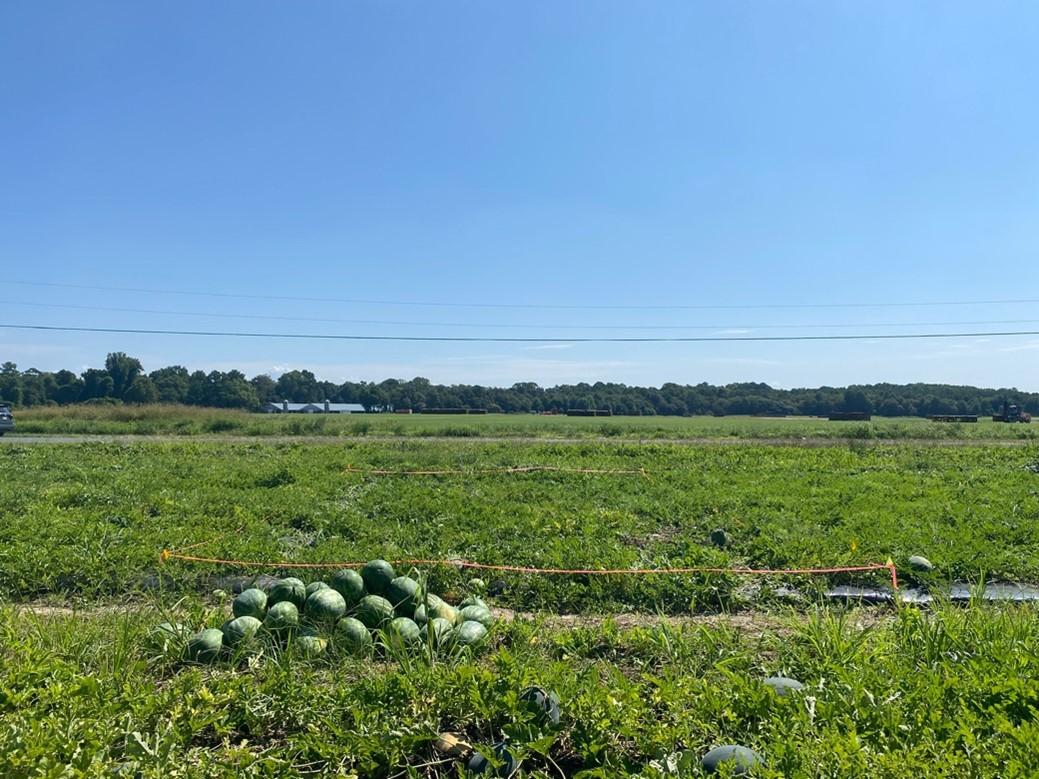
point(6, 420)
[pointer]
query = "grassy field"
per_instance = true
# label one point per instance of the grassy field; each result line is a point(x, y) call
point(891, 693)
point(187, 420)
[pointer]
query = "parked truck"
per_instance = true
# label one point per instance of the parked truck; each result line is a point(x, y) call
point(1012, 413)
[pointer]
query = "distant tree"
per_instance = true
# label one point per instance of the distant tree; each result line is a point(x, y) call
point(171, 383)
point(266, 388)
point(298, 386)
point(855, 400)
point(142, 390)
point(124, 371)
point(97, 383)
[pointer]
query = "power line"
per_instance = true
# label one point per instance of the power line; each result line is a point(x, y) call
point(499, 325)
point(557, 306)
point(505, 339)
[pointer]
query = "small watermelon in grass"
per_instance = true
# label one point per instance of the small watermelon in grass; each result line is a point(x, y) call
point(377, 575)
point(314, 587)
point(310, 646)
point(352, 635)
point(403, 593)
point(440, 630)
point(240, 630)
point(325, 606)
point(282, 618)
point(292, 590)
point(479, 614)
point(373, 611)
point(402, 633)
point(349, 584)
point(442, 610)
point(250, 603)
point(469, 634)
point(205, 646)
point(742, 760)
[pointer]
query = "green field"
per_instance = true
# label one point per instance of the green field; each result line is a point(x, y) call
point(950, 692)
point(191, 421)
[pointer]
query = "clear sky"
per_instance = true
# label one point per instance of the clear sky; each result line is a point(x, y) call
point(742, 155)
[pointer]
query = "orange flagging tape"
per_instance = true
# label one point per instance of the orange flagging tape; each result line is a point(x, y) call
point(502, 469)
point(889, 566)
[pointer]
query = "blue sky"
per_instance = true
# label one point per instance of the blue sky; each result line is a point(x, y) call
point(540, 154)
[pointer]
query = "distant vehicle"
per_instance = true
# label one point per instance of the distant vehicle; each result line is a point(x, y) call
point(1012, 413)
point(6, 420)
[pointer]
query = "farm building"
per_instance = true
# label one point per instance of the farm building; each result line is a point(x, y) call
point(287, 407)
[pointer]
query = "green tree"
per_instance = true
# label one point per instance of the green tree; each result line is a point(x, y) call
point(124, 370)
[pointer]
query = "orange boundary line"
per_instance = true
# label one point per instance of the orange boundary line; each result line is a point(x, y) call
point(503, 469)
point(890, 567)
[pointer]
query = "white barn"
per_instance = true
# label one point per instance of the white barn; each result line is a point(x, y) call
point(287, 407)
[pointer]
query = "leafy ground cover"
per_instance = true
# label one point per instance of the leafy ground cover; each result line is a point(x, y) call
point(951, 693)
point(85, 690)
point(91, 519)
point(187, 421)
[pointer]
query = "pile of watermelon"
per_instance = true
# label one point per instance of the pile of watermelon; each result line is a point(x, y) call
point(353, 612)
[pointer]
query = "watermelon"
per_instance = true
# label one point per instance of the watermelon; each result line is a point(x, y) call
point(310, 646)
point(315, 586)
point(292, 590)
point(469, 633)
point(920, 563)
point(542, 703)
point(420, 616)
point(479, 614)
point(352, 635)
point(377, 575)
point(443, 610)
point(325, 605)
point(373, 610)
point(719, 537)
point(349, 584)
point(240, 629)
point(403, 593)
point(401, 633)
point(477, 585)
point(740, 759)
point(250, 603)
point(783, 685)
point(472, 600)
point(281, 618)
point(510, 764)
point(441, 630)
point(204, 647)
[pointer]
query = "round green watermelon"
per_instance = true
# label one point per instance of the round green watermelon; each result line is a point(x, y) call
point(240, 629)
point(314, 587)
point(479, 614)
point(250, 603)
point(282, 618)
point(292, 590)
point(349, 584)
point(352, 635)
point(740, 759)
point(469, 634)
point(441, 631)
point(325, 605)
point(401, 633)
point(420, 616)
point(377, 575)
point(310, 646)
point(472, 600)
point(373, 610)
point(168, 636)
point(477, 585)
point(443, 610)
point(403, 593)
point(205, 646)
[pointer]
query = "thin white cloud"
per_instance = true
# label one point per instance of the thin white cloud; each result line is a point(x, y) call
point(543, 347)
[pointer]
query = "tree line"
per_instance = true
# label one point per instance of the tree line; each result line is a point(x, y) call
point(123, 380)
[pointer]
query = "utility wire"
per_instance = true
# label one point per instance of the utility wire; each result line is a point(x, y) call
point(504, 339)
point(441, 304)
point(281, 318)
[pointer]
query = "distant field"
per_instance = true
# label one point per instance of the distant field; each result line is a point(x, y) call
point(92, 518)
point(187, 420)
